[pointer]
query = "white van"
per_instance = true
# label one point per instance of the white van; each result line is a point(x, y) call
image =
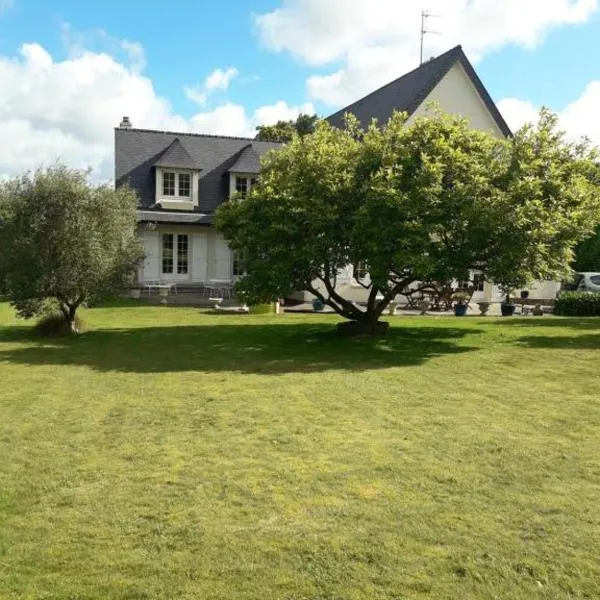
point(587, 282)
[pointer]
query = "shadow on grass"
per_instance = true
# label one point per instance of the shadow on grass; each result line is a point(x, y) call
point(563, 322)
point(264, 349)
point(567, 342)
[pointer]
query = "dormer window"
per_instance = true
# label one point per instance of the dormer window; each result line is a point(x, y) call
point(177, 185)
point(243, 184)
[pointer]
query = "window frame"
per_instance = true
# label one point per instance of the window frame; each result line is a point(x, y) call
point(237, 264)
point(249, 181)
point(177, 175)
point(177, 256)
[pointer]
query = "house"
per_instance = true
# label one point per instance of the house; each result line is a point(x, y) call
point(449, 81)
point(181, 178)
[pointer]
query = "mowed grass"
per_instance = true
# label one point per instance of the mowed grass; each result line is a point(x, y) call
point(173, 454)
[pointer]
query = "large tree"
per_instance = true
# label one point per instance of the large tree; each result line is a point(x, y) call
point(64, 241)
point(284, 131)
point(587, 256)
point(419, 203)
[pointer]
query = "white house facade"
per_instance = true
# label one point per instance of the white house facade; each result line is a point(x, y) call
point(181, 179)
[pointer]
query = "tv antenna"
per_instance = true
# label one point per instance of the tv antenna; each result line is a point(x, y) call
point(425, 14)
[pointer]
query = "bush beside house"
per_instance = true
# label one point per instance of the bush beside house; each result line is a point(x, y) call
point(577, 304)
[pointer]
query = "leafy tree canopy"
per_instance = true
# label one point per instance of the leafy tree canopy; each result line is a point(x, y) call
point(587, 256)
point(64, 241)
point(426, 202)
point(283, 131)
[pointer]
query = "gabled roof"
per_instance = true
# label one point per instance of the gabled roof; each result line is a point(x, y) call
point(409, 91)
point(137, 151)
point(247, 162)
point(176, 156)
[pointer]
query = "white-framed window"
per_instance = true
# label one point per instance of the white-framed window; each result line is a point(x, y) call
point(237, 264)
point(177, 185)
point(478, 282)
point(175, 255)
point(243, 184)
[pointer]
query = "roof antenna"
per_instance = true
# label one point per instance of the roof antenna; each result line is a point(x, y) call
point(425, 14)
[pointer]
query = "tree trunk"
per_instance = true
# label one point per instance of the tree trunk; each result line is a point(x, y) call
point(71, 319)
point(368, 325)
point(69, 311)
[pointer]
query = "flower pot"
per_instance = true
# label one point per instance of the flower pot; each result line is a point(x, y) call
point(460, 310)
point(483, 308)
point(508, 310)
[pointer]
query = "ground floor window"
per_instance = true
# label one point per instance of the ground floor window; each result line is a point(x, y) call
point(478, 282)
point(361, 270)
point(175, 253)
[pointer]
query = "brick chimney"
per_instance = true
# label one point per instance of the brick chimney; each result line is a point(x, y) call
point(125, 123)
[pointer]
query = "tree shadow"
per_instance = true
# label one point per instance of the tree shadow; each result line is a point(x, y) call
point(562, 322)
point(563, 342)
point(268, 349)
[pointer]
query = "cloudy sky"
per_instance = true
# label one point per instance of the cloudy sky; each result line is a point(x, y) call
point(69, 69)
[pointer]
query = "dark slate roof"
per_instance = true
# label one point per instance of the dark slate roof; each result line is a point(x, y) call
point(176, 156)
point(248, 161)
point(164, 216)
point(409, 91)
point(137, 151)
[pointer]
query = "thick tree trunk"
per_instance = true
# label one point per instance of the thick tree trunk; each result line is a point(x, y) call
point(69, 311)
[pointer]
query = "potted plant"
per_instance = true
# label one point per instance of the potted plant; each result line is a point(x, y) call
point(461, 305)
point(484, 307)
point(507, 307)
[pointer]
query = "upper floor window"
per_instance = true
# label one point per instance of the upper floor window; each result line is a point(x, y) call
point(177, 185)
point(244, 184)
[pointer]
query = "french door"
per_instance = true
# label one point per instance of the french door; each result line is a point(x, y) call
point(175, 257)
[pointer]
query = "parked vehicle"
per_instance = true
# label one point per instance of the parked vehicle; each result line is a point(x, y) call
point(584, 282)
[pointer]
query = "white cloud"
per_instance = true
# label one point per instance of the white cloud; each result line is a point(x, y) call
point(219, 79)
point(280, 111)
point(578, 119)
point(232, 119)
point(377, 40)
point(517, 112)
point(66, 110)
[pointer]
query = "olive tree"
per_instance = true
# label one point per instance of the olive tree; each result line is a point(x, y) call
point(420, 202)
point(64, 241)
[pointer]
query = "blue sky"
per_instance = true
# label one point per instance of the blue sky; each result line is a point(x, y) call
point(70, 68)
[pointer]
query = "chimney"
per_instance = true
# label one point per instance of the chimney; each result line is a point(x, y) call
point(125, 123)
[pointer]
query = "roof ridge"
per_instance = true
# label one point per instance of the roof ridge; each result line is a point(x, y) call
point(189, 134)
point(456, 49)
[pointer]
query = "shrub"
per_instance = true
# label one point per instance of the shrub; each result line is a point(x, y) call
point(54, 324)
point(577, 304)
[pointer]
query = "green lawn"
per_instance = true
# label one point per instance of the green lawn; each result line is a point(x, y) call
point(170, 454)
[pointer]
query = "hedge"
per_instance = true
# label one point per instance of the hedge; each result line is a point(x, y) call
point(577, 304)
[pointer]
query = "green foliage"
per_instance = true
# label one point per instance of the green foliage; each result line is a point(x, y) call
point(549, 203)
point(284, 131)
point(54, 324)
point(424, 203)
point(577, 304)
point(262, 309)
point(64, 240)
point(587, 256)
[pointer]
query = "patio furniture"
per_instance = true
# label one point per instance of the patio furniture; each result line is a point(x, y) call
point(164, 289)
